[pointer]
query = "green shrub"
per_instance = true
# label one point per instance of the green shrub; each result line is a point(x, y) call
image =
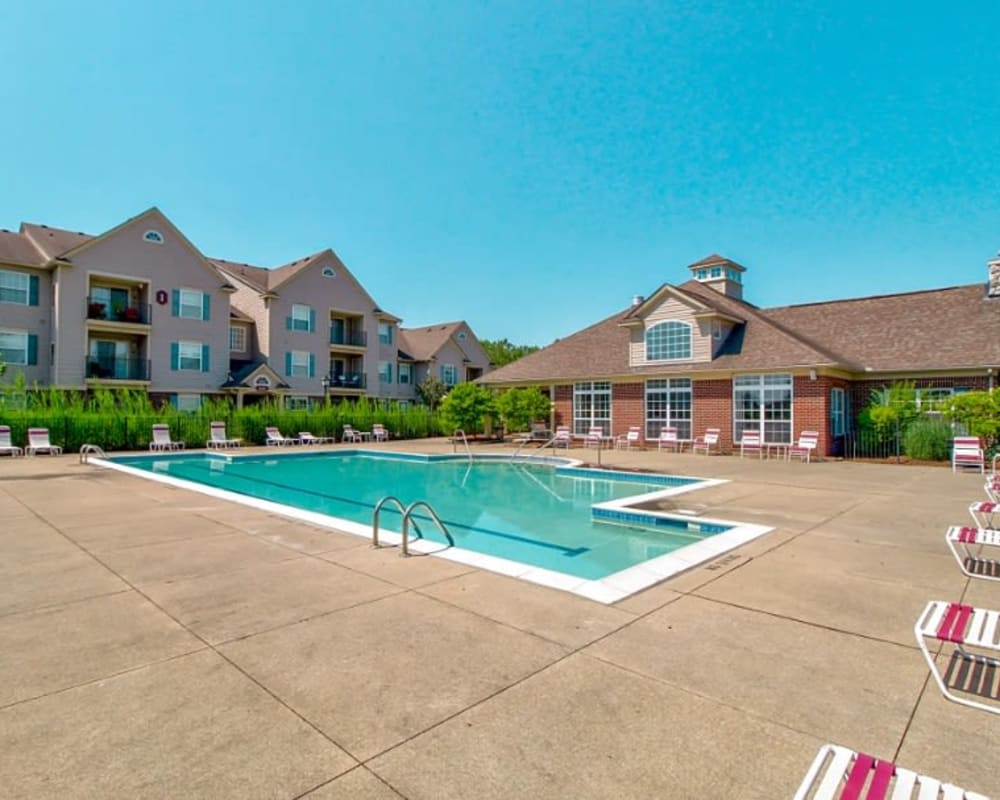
point(928, 440)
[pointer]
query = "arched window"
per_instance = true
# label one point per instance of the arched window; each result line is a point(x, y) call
point(669, 340)
point(328, 272)
point(153, 237)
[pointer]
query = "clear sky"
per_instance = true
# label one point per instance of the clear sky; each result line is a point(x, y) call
point(527, 166)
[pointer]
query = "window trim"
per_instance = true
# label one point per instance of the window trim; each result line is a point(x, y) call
point(180, 303)
point(27, 287)
point(292, 365)
point(199, 346)
point(26, 349)
point(676, 324)
point(385, 372)
point(592, 390)
point(242, 337)
point(762, 383)
point(449, 368)
point(408, 372)
point(386, 337)
point(671, 387)
point(297, 320)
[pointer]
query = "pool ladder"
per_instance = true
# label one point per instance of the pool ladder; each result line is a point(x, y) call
point(407, 513)
point(458, 435)
point(88, 450)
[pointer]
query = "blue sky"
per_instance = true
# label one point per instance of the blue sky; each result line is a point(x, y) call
point(526, 166)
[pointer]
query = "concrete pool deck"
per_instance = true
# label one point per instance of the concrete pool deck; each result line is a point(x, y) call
point(161, 643)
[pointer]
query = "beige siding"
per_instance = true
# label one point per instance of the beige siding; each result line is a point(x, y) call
point(249, 301)
point(35, 320)
point(671, 309)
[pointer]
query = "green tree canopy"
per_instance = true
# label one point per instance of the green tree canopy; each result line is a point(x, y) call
point(502, 352)
point(467, 406)
point(518, 408)
point(977, 412)
point(430, 391)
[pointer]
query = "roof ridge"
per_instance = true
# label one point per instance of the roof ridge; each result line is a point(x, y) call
point(873, 297)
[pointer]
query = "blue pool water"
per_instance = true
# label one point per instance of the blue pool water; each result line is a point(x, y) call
point(535, 514)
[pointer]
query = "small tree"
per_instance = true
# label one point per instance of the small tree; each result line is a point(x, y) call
point(518, 408)
point(430, 391)
point(466, 406)
point(893, 408)
point(502, 351)
point(977, 412)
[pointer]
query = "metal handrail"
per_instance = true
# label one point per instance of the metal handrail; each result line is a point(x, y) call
point(378, 510)
point(90, 450)
point(465, 441)
point(408, 515)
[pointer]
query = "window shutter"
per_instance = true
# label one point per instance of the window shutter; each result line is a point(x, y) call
point(175, 306)
point(205, 365)
point(175, 356)
point(312, 320)
point(288, 323)
point(173, 401)
point(312, 365)
point(288, 363)
point(32, 290)
point(388, 372)
point(32, 349)
point(206, 306)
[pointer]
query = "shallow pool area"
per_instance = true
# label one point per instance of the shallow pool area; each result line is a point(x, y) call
point(546, 520)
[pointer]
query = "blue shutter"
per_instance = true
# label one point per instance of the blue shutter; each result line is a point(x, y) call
point(206, 306)
point(312, 365)
point(32, 290)
point(205, 365)
point(175, 356)
point(32, 349)
point(173, 401)
point(388, 372)
point(312, 320)
point(175, 308)
point(288, 363)
point(288, 323)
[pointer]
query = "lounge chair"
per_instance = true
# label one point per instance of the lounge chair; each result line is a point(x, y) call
point(351, 435)
point(668, 438)
point(307, 438)
point(750, 444)
point(838, 773)
point(967, 451)
point(992, 487)
point(219, 438)
point(974, 565)
point(7, 448)
point(379, 433)
point(162, 441)
point(595, 437)
point(804, 447)
point(965, 627)
point(626, 440)
point(983, 514)
point(276, 438)
point(38, 442)
point(563, 437)
point(708, 442)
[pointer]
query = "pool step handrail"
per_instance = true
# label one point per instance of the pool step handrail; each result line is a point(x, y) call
point(408, 517)
point(87, 450)
point(378, 510)
point(460, 434)
point(548, 443)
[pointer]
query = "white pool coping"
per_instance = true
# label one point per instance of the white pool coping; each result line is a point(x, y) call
point(607, 590)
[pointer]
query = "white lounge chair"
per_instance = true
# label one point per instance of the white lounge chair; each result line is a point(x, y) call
point(563, 437)
point(595, 437)
point(668, 438)
point(967, 451)
point(8, 448)
point(276, 438)
point(626, 440)
point(379, 433)
point(837, 773)
point(351, 435)
point(708, 442)
point(964, 539)
point(804, 447)
point(965, 627)
point(162, 441)
point(218, 437)
point(750, 444)
point(38, 442)
point(983, 514)
point(307, 438)
point(992, 487)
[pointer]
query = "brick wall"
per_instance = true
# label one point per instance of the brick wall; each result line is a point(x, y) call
point(811, 409)
point(713, 408)
point(628, 407)
point(564, 405)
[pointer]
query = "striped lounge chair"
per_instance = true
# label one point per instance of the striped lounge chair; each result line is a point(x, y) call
point(966, 539)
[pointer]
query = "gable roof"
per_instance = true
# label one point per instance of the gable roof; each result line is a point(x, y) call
point(265, 279)
point(53, 242)
point(16, 248)
point(424, 343)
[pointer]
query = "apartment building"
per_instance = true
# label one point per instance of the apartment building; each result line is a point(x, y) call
point(141, 306)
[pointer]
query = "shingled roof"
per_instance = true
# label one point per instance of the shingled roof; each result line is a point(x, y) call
point(262, 278)
point(423, 343)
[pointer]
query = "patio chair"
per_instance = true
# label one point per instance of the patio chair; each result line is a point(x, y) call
point(708, 442)
point(992, 487)
point(7, 448)
point(277, 439)
point(626, 440)
point(307, 438)
point(838, 773)
point(379, 433)
point(38, 442)
point(162, 441)
point(983, 514)
point(563, 437)
point(750, 443)
point(804, 447)
point(967, 451)
point(217, 431)
point(965, 627)
point(594, 437)
point(351, 435)
point(668, 438)
point(974, 564)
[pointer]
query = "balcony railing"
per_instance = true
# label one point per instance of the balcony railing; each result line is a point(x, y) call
point(356, 380)
point(350, 338)
point(134, 312)
point(117, 369)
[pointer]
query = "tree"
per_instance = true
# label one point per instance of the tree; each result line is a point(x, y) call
point(466, 406)
point(518, 408)
point(430, 391)
point(977, 412)
point(502, 352)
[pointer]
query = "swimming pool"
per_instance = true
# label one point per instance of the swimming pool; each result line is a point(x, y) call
point(549, 521)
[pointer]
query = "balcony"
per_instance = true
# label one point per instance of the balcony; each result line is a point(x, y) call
point(347, 338)
point(116, 369)
point(133, 313)
point(357, 380)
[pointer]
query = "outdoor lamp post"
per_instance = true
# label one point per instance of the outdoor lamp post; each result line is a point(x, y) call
point(326, 389)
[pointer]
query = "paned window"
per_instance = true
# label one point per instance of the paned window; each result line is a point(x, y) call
point(763, 404)
point(669, 340)
point(14, 287)
point(385, 333)
point(385, 372)
point(299, 364)
point(449, 374)
point(187, 402)
point(301, 319)
point(668, 405)
point(189, 355)
point(237, 338)
point(592, 406)
point(838, 415)
point(191, 304)
point(14, 347)
point(405, 372)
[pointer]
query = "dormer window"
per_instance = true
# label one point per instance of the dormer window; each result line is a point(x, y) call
point(734, 276)
point(153, 237)
point(702, 275)
point(669, 341)
point(716, 272)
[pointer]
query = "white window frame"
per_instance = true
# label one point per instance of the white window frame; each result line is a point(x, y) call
point(385, 333)
point(299, 363)
point(669, 404)
point(669, 340)
point(184, 301)
point(934, 394)
point(195, 347)
point(9, 277)
point(592, 406)
point(301, 314)
point(153, 237)
point(297, 402)
point(449, 371)
point(766, 413)
point(385, 372)
point(5, 351)
point(240, 345)
point(838, 411)
point(190, 403)
point(404, 372)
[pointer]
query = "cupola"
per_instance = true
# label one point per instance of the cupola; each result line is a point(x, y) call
point(723, 275)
